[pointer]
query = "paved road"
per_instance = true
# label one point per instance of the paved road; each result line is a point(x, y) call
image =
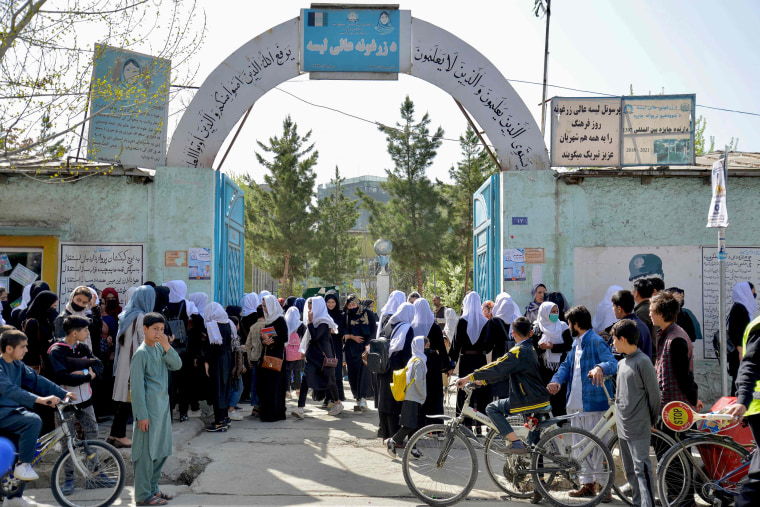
point(320, 460)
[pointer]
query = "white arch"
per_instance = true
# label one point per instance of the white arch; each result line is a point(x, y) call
point(438, 57)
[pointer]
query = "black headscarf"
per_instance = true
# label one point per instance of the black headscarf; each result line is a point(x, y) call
point(335, 313)
point(37, 287)
point(162, 298)
point(234, 311)
point(41, 311)
point(291, 301)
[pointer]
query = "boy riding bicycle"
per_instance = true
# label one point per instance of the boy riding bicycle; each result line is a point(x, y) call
point(527, 392)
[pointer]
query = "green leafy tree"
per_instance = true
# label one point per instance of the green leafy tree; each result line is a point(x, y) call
point(468, 175)
point(411, 219)
point(338, 256)
point(449, 284)
point(280, 216)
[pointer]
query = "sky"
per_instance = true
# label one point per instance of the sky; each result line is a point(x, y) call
point(596, 47)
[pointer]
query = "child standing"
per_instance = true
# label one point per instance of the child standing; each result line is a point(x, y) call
point(149, 389)
point(637, 407)
point(412, 415)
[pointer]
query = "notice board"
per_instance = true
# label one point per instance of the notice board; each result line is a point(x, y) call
point(117, 265)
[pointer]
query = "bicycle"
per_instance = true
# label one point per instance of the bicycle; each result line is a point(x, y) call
point(607, 426)
point(440, 465)
point(88, 473)
point(711, 466)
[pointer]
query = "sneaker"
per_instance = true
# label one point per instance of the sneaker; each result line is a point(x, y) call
point(235, 416)
point(390, 448)
point(25, 472)
point(68, 486)
point(363, 404)
point(194, 413)
point(19, 501)
point(216, 427)
point(336, 409)
point(415, 453)
point(516, 447)
point(183, 418)
point(297, 413)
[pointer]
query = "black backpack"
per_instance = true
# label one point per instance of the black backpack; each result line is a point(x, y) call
point(177, 327)
point(378, 357)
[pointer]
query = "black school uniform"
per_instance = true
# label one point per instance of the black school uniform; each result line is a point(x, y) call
point(471, 356)
point(437, 364)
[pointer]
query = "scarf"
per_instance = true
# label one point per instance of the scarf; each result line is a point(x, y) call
point(605, 314)
point(70, 309)
point(216, 315)
point(505, 308)
point(394, 300)
point(552, 333)
point(335, 313)
point(401, 323)
point(292, 319)
point(533, 305)
point(272, 308)
point(264, 293)
point(742, 294)
point(423, 318)
point(128, 295)
point(178, 293)
point(200, 300)
point(249, 303)
point(39, 309)
point(142, 301)
point(320, 316)
point(26, 297)
point(357, 316)
point(473, 314)
point(450, 328)
point(115, 310)
point(418, 354)
point(300, 302)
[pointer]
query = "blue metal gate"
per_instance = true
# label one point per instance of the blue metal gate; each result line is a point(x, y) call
point(486, 231)
point(229, 241)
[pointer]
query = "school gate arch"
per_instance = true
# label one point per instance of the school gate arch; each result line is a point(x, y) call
point(271, 58)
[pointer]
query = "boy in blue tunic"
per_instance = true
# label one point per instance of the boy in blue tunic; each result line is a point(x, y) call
point(149, 389)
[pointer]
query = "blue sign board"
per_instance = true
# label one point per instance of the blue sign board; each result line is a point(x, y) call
point(519, 220)
point(129, 108)
point(350, 40)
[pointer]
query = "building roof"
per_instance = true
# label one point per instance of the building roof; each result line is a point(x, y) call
point(69, 169)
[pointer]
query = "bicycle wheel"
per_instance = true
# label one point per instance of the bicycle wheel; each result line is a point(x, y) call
point(442, 468)
point(709, 474)
point(620, 486)
point(507, 470)
point(103, 483)
point(567, 458)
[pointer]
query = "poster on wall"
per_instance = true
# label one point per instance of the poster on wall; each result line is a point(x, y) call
point(5, 263)
point(117, 265)
point(199, 264)
point(5, 282)
point(23, 275)
point(514, 264)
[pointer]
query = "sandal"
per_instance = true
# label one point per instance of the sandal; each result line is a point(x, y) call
point(153, 500)
point(163, 495)
point(117, 443)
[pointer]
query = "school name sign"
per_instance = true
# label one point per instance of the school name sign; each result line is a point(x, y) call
point(623, 131)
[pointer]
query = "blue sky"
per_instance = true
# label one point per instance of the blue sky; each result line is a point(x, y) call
point(704, 47)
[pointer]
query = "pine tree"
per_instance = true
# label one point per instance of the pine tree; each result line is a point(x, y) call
point(411, 219)
point(280, 215)
point(338, 256)
point(468, 175)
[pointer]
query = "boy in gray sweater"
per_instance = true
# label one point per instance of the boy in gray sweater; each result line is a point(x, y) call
point(637, 409)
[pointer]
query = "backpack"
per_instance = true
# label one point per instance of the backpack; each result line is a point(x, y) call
point(178, 329)
point(291, 349)
point(399, 385)
point(378, 357)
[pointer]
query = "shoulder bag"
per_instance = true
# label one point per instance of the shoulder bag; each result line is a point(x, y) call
point(327, 362)
point(271, 362)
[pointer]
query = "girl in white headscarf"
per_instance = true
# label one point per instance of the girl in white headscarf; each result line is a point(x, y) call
point(218, 361)
point(395, 299)
point(293, 361)
point(437, 359)
point(470, 347)
point(553, 341)
point(272, 385)
point(200, 300)
point(317, 346)
point(412, 412)
point(741, 314)
point(450, 329)
point(249, 316)
point(504, 312)
point(605, 315)
point(178, 294)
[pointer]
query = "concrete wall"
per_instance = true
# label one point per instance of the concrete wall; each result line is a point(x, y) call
point(174, 212)
point(609, 212)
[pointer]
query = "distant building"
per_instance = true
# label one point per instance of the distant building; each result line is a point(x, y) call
point(370, 185)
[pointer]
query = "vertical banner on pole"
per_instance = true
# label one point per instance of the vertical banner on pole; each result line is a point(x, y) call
point(718, 214)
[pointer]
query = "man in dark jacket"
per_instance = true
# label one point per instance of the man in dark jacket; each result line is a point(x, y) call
point(527, 392)
point(622, 305)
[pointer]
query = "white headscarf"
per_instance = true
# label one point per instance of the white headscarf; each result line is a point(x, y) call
point(551, 333)
point(418, 352)
point(272, 309)
point(395, 298)
point(450, 328)
point(423, 317)
point(742, 294)
point(264, 293)
point(127, 296)
point(250, 303)
point(605, 314)
point(70, 309)
point(178, 293)
point(321, 316)
point(216, 315)
point(403, 317)
point(200, 300)
point(292, 319)
point(473, 314)
point(505, 308)
point(26, 297)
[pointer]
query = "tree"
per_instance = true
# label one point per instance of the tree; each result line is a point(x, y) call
point(468, 175)
point(338, 256)
point(411, 219)
point(280, 215)
point(46, 60)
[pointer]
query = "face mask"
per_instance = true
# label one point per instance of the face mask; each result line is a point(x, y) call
point(111, 304)
point(76, 307)
point(554, 317)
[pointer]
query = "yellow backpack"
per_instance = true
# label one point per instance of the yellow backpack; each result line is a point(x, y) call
point(399, 386)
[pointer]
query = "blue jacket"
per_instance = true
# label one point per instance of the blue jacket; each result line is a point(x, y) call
point(595, 353)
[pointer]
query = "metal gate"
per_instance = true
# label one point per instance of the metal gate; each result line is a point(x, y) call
point(486, 231)
point(229, 241)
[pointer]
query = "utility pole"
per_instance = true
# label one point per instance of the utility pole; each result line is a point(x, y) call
point(548, 10)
